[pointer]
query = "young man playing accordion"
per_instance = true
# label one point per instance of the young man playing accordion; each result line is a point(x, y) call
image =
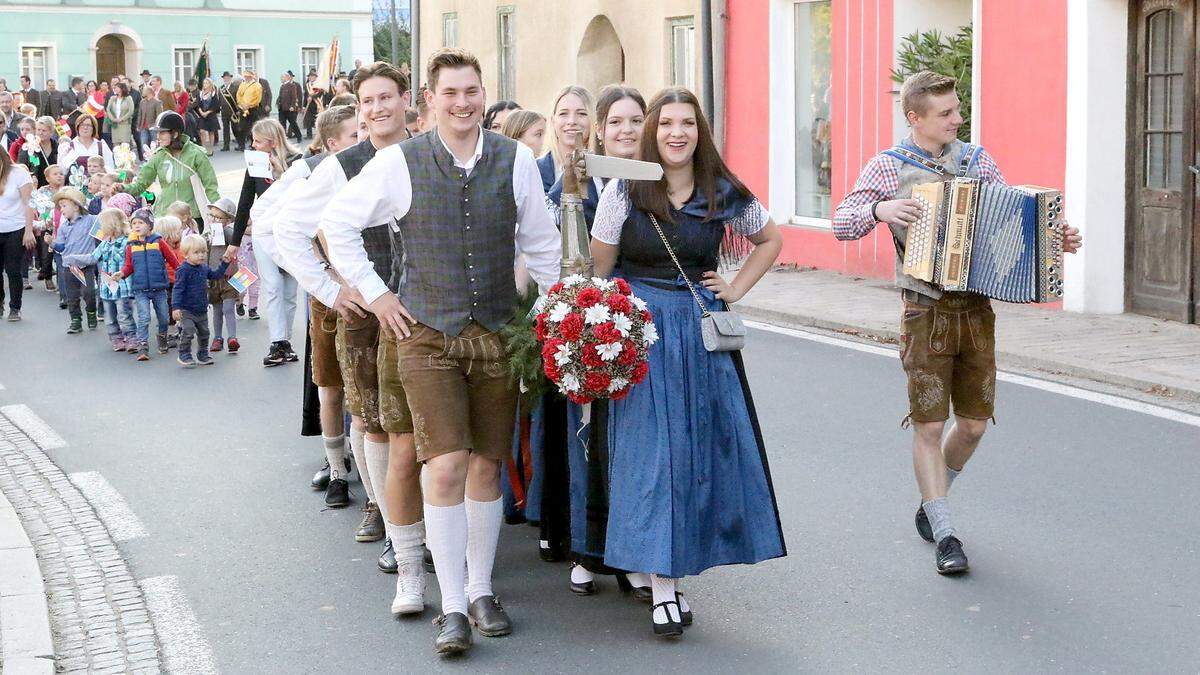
point(947, 338)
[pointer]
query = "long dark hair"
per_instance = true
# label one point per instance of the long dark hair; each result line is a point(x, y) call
point(497, 108)
point(707, 165)
point(609, 95)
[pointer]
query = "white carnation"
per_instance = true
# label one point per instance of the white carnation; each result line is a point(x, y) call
point(569, 383)
point(617, 384)
point(559, 311)
point(649, 333)
point(609, 351)
point(563, 355)
point(638, 302)
point(573, 280)
point(604, 284)
point(622, 323)
point(596, 314)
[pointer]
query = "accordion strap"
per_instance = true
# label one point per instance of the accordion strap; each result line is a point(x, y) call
point(970, 152)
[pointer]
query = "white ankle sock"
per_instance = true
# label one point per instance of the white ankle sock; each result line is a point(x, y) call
point(406, 540)
point(664, 591)
point(335, 452)
point(374, 469)
point(483, 533)
point(639, 579)
point(580, 575)
point(446, 535)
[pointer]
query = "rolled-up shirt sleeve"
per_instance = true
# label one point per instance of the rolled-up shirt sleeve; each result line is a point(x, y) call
point(379, 194)
point(295, 224)
point(537, 237)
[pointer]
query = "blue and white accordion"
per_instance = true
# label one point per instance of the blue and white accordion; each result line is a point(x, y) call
point(997, 240)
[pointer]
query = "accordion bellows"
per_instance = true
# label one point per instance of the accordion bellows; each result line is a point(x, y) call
point(997, 240)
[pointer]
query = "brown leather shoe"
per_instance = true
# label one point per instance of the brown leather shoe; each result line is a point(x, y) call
point(489, 617)
point(454, 636)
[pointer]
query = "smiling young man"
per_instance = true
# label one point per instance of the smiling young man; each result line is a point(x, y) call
point(456, 193)
point(390, 472)
point(947, 339)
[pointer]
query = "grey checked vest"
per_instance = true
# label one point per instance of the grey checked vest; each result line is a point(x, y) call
point(378, 240)
point(461, 228)
point(910, 176)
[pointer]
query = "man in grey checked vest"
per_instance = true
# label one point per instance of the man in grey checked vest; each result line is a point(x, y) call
point(456, 194)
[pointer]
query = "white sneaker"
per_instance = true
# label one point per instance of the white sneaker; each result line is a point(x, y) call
point(410, 589)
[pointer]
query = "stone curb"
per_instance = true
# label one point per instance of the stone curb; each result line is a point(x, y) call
point(26, 645)
point(1003, 358)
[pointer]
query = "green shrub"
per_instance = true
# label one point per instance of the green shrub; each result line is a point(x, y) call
point(943, 54)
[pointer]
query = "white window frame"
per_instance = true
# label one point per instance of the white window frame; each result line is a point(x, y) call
point(506, 91)
point(302, 74)
point(195, 49)
point(449, 19)
point(674, 24)
point(260, 67)
point(51, 64)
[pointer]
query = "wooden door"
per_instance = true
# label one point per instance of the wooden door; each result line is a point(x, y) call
point(1161, 238)
point(110, 58)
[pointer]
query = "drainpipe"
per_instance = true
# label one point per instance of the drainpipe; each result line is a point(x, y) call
point(414, 61)
point(720, 19)
point(706, 58)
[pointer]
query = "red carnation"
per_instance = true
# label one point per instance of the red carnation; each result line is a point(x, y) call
point(595, 381)
point(551, 369)
point(591, 358)
point(579, 399)
point(623, 286)
point(628, 354)
point(606, 332)
point(539, 328)
point(640, 371)
point(588, 297)
point(571, 326)
point(549, 347)
point(619, 394)
point(646, 316)
point(555, 288)
point(619, 303)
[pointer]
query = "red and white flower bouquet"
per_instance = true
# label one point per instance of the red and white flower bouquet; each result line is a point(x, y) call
point(595, 336)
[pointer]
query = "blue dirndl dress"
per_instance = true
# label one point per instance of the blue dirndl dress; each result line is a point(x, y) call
point(689, 483)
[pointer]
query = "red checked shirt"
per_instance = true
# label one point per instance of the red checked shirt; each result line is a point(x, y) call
point(880, 181)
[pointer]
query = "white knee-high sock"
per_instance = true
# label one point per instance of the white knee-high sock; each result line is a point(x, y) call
point(483, 533)
point(406, 541)
point(377, 466)
point(446, 535)
point(364, 470)
point(335, 452)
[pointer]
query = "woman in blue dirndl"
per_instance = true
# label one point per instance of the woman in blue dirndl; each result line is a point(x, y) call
point(690, 487)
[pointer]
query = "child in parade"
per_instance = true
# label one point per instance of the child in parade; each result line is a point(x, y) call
point(45, 227)
point(183, 211)
point(690, 488)
point(75, 243)
point(189, 299)
point(115, 295)
point(221, 295)
point(95, 166)
point(148, 263)
point(938, 375)
point(170, 228)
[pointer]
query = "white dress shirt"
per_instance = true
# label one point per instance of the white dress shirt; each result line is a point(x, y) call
point(383, 190)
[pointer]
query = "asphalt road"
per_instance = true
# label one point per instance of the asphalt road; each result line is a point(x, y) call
point(1080, 520)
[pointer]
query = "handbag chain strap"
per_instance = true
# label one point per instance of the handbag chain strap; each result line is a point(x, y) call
point(703, 310)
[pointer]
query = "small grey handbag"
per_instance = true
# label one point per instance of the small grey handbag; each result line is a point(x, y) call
point(721, 331)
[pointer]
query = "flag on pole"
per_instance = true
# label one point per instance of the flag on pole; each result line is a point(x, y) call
point(202, 64)
point(329, 67)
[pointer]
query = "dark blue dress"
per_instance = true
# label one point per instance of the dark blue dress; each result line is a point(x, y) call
point(690, 487)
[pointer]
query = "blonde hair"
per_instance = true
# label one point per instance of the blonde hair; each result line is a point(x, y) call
point(281, 149)
point(193, 243)
point(182, 211)
point(586, 97)
point(520, 121)
point(28, 110)
point(169, 228)
point(113, 223)
point(918, 87)
point(329, 124)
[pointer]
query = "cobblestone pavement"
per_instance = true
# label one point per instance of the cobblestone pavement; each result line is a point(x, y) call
point(98, 614)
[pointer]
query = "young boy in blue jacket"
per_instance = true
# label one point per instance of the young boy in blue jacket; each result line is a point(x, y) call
point(75, 243)
point(190, 299)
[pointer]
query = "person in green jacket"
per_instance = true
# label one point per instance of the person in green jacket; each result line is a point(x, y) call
point(174, 165)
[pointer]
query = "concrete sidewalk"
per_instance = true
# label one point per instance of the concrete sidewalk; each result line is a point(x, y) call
point(1157, 357)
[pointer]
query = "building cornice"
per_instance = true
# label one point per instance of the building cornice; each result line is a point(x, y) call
point(185, 11)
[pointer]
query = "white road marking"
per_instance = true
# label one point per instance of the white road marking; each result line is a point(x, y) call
point(184, 648)
point(1025, 381)
point(112, 508)
point(34, 427)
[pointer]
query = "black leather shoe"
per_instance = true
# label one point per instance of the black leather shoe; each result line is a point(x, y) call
point(671, 628)
point(387, 560)
point(454, 636)
point(685, 616)
point(427, 560)
point(289, 354)
point(950, 556)
point(337, 495)
point(371, 527)
point(585, 588)
point(275, 355)
point(489, 617)
point(320, 479)
point(923, 527)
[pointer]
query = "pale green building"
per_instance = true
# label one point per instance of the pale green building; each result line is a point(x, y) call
point(96, 39)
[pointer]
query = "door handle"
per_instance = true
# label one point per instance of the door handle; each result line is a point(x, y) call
point(1194, 169)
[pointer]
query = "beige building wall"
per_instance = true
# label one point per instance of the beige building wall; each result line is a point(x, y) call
point(561, 42)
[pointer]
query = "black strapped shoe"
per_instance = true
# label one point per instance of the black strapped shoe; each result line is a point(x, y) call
point(337, 495)
point(950, 556)
point(454, 636)
point(923, 527)
point(489, 617)
point(671, 628)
